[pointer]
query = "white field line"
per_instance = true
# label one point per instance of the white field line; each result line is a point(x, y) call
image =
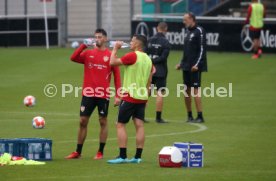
point(58, 177)
point(76, 114)
point(40, 113)
point(200, 128)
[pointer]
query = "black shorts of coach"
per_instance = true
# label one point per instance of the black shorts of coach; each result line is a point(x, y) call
point(192, 79)
point(88, 104)
point(255, 34)
point(128, 110)
point(159, 82)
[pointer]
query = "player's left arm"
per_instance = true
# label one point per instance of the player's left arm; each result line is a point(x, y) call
point(202, 48)
point(153, 70)
point(114, 60)
point(117, 82)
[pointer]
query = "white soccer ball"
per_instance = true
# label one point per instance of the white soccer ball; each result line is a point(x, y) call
point(75, 44)
point(38, 122)
point(29, 101)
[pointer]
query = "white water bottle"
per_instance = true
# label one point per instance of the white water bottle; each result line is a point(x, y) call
point(37, 150)
point(2, 148)
point(47, 151)
point(89, 42)
point(112, 44)
point(11, 148)
point(30, 152)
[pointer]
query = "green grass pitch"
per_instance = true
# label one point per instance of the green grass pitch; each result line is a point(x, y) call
point(239, 138)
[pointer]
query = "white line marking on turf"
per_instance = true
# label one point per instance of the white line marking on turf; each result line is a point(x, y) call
point(201, 127)
point(57, 178)
point(42, 113)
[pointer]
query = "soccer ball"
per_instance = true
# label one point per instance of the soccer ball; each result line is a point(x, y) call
point(38, 122)
point(29, 101)
point(75, 44)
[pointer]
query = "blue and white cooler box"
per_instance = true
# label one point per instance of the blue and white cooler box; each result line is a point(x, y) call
point(192, 153)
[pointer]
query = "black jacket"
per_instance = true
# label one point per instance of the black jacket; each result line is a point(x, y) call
point(195, 49)
point(158, 50)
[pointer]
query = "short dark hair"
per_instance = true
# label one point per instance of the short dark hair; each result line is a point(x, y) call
point(102, 31)
point(142, 39)
point(192, 15)
point(163, 26)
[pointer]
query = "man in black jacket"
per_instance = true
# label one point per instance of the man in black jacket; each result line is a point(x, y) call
point(158, 50)
point(194, 62)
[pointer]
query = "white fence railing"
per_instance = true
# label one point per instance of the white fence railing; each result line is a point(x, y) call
point(178, 17)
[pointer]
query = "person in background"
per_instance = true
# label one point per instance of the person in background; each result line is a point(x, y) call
point(193, 63)
point(158, 50)
point(255, 16)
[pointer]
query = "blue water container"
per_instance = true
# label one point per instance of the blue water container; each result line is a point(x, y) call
point(196, 155)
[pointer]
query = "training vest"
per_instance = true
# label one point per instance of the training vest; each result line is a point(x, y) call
point(257, 14)
point(136, 77)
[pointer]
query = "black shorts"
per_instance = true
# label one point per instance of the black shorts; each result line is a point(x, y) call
point(88, 104)
point(255, 34)
point(159, 82)
point(128, 109)
point(192, 79)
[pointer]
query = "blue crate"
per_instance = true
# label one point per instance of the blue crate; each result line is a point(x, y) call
point(196, 155)
point(184, 148)
point(9, 146)
point(193, 154)
point(35, 148)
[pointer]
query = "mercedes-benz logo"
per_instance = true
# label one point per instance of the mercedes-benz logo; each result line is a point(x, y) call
point(246, 41)
point(143, 29)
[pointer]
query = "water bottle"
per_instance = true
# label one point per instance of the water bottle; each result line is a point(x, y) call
point(37, 150)
point(30, 152)
point(89, 41)
point(11, 148)
point(112, 44)
point(47, 151)
point(2, 148)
